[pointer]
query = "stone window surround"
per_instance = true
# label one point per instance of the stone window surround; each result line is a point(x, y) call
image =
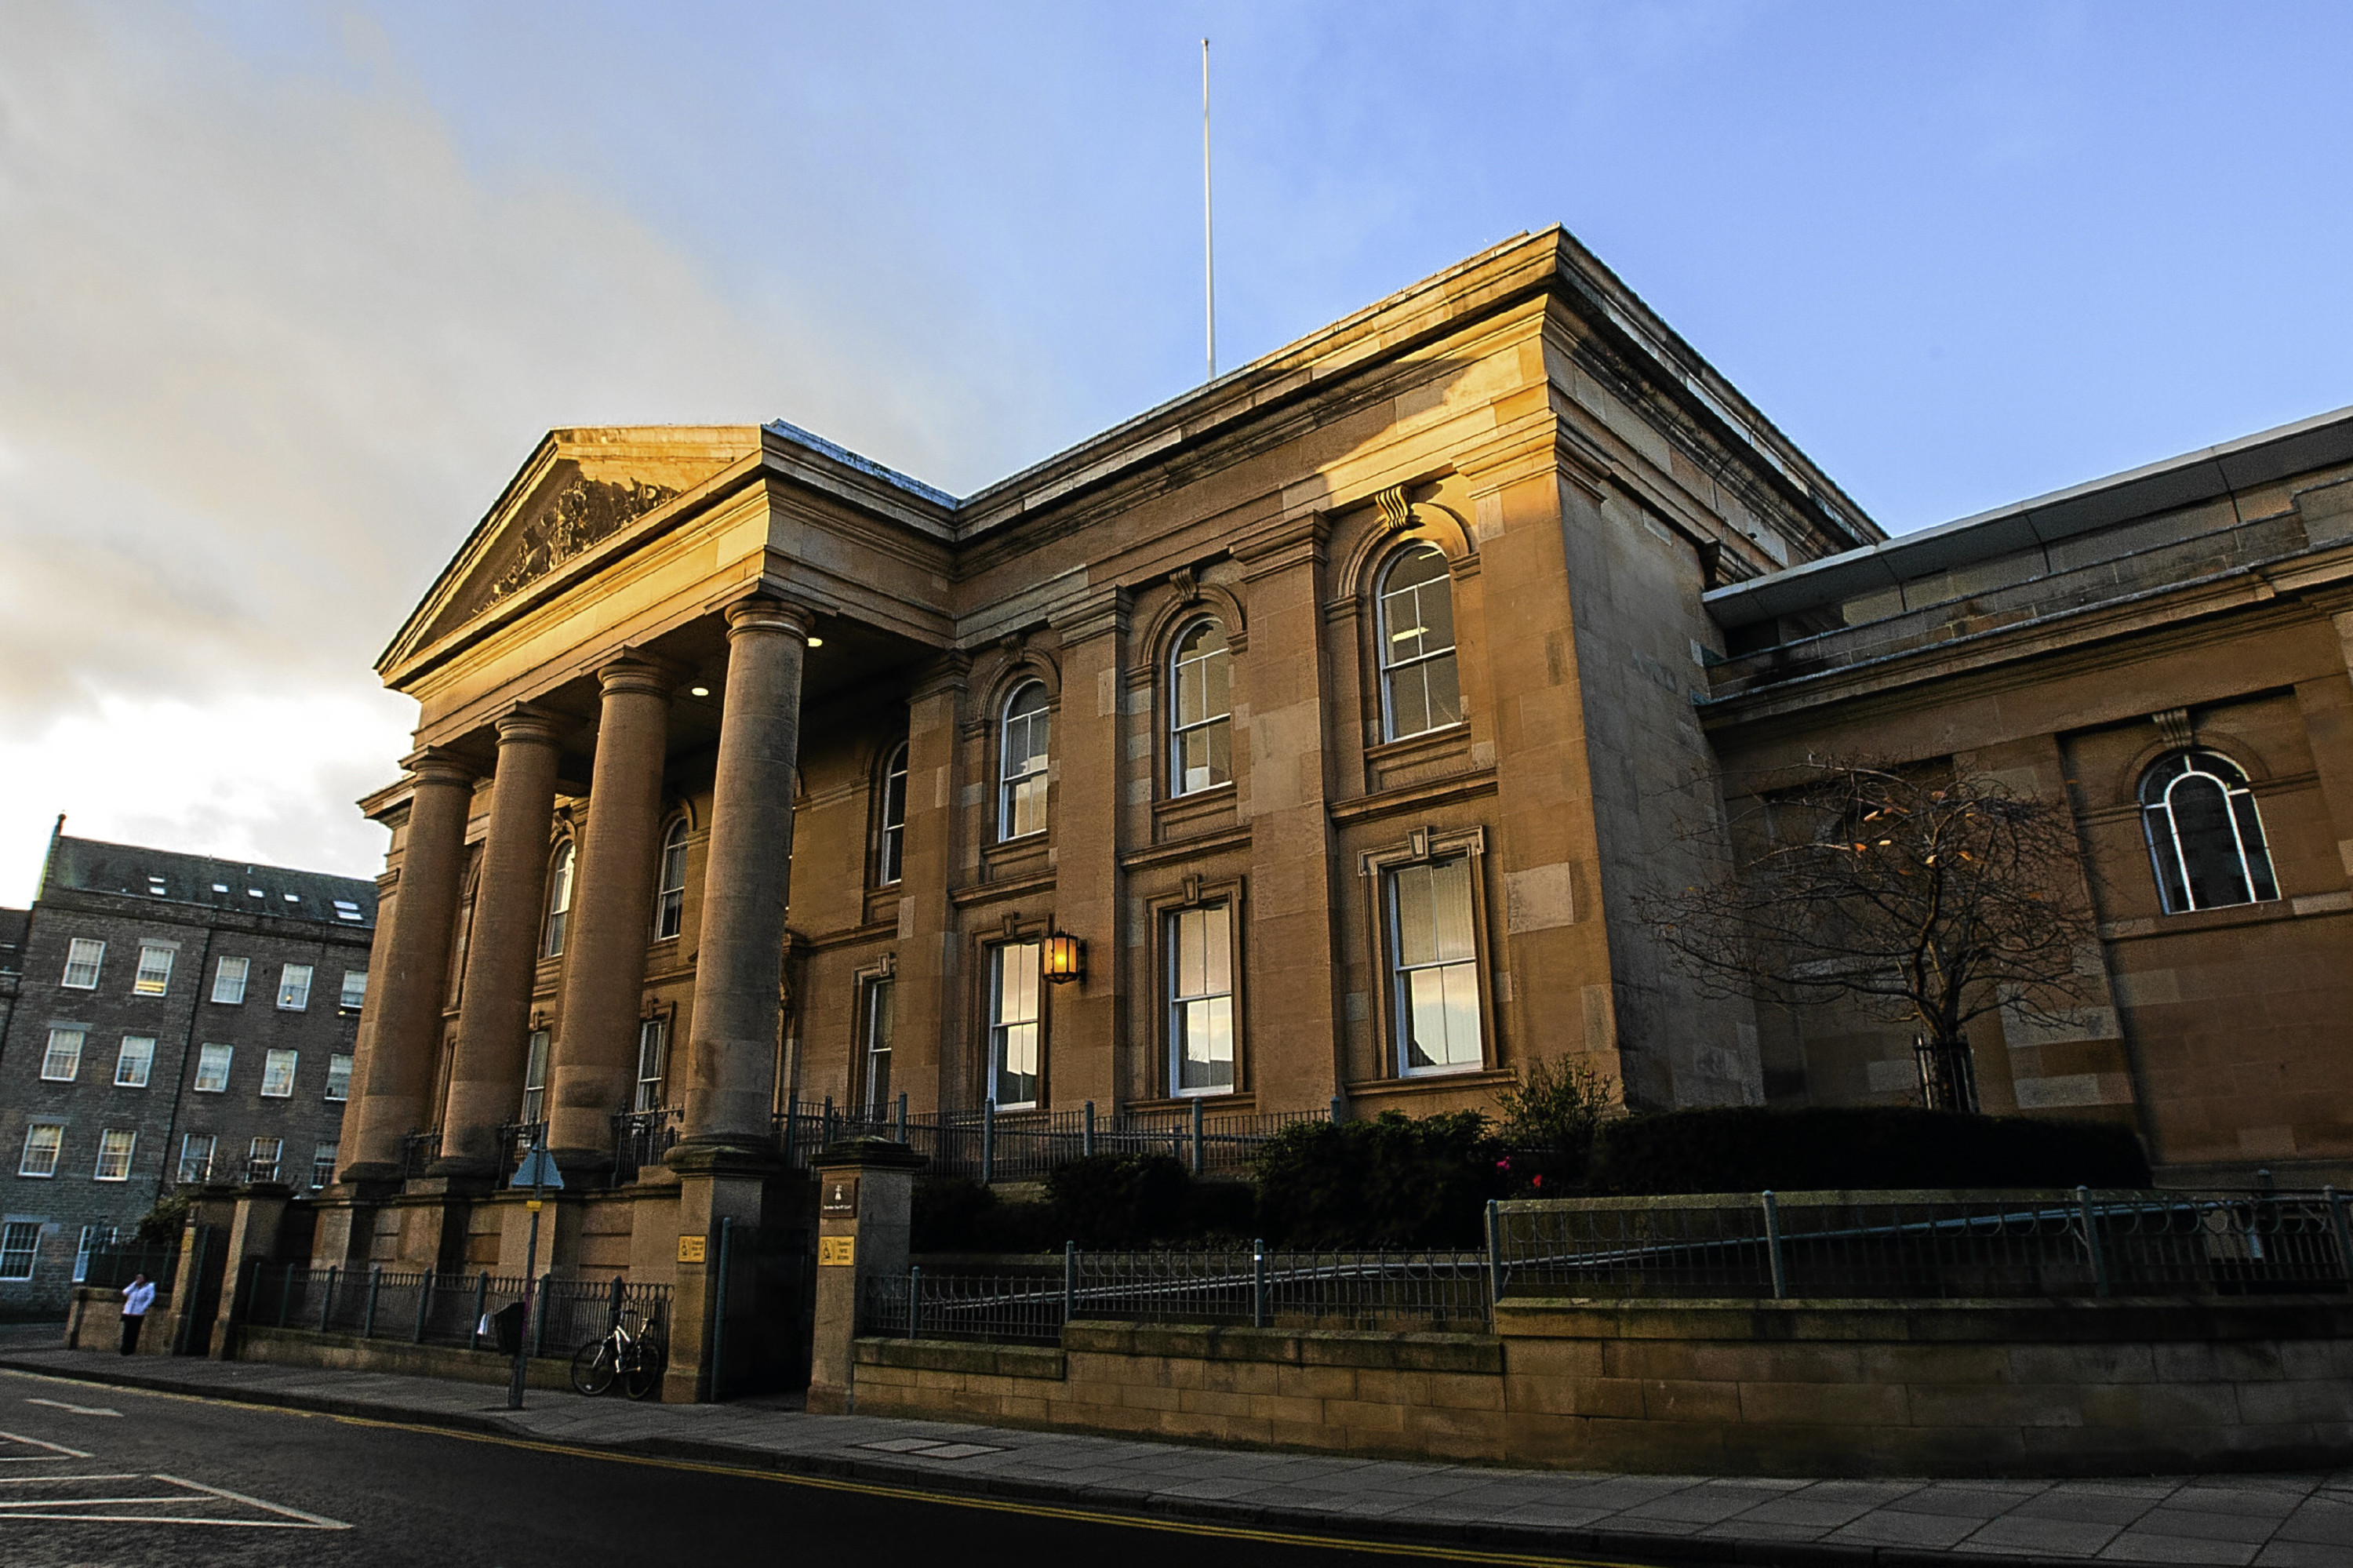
point(1422, 846)
point(881, 873)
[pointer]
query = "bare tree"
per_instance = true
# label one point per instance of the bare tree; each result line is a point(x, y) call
point(1929, 896)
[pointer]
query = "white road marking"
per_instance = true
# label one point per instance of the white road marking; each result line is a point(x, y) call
point(77, 1409)
point(56, 1451)
point(57, 1480)
point(316, 1521)
point(163, 1518)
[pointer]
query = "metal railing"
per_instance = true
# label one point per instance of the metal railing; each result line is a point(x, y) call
point(445, 1309)
point(640, 1138)
point(418, 1151)
point(517, 1138)
point(1259, 1287)
point(1927, 1247)
point(988, 1144)
point(112, 1265)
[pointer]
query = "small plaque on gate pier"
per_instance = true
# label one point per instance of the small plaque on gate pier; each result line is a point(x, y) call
point(840, 1201)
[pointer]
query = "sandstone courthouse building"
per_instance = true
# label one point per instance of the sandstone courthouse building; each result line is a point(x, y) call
point(1338, 712)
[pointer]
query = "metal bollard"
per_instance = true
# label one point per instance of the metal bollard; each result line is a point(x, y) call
point(2091, 1241)
point(481, 1305)
point(1260, 1316)
point(1773, 1248)
point(915, 1301)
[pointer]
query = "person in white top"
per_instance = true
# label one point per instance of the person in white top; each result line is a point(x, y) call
point(137, 1297)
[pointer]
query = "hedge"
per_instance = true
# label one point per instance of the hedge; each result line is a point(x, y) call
point(1748, 1149)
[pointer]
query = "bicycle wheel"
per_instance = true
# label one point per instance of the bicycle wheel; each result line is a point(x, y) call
point(643, 1373)
point(593, 1367)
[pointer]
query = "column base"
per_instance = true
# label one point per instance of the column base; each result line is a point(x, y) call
point(458, 1168)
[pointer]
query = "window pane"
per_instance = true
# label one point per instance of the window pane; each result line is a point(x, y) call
point(1216, 938)
point(83, 957)
point(1424, 1020)
point(2209, 849)
point(294, 987)
point(20, 1243)
point(44, 1140)
point(1449, 891)
point(229, 980)
point(355, 993)
point(2251, 836)
point(261, 1160)
point(212, 1068)
point(154, 977)
point(197, 1157)
point(115, 1147)
point(339, 1076)
point(1445, 697)
point(278, 1075)
point(322, 1165)
point(136, 1060)
point(1460, 983)
point(63, 1060)
point(1408, 702)
point(1416, 929)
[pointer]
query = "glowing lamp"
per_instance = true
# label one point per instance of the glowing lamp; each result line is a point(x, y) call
point(1066, 958)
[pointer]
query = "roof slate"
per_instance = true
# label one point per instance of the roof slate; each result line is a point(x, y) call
point(171, 877)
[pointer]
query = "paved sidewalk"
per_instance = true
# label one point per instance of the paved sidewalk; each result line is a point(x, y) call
point(2302, 1521)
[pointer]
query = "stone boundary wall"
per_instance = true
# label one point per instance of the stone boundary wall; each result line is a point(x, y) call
point(1796, 1388)
point(348, 1352)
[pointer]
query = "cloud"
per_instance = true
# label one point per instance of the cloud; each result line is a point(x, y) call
point(267, 347)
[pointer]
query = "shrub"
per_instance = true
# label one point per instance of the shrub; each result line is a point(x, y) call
point(1389, 1181)
point(1557, 1108)
point(163, 1222)
point(1102, 1200)
point(1122, 1199)
point(1748, 1149)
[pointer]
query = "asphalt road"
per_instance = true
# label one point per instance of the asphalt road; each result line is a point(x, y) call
point(94, 1475)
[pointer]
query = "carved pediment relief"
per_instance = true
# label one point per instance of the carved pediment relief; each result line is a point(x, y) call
point(574, 519)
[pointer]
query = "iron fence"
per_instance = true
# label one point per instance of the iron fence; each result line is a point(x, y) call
point(418, 1151)
point(988, 1144)
point(111, 1267)
point(447, 1308)
point(1927, 1247)
point(640, 1138)
point(1257, 1285)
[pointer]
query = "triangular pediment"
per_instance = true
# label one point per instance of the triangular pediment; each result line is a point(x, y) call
point(582, 489)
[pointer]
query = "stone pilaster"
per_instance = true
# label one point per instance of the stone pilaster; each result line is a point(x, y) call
point(1293, 1041)
point(494, 1015)
point(1084, 1016)
point(731, 1054)
point(612, 916)
point(400, 1027)
point(928, 957)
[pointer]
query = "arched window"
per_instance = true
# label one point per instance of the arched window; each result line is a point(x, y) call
point(1021, 787)
point(2205, 836)
point(1200, 711)
point(1420, 692)
point(559, 897)
point(669, 902)
point(890, 855)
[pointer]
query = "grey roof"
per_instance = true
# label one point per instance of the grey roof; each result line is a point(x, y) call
point(862, 463)
point(171, 877)
point(2205, 474)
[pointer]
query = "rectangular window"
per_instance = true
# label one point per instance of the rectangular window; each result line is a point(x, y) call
point(134, 1062)
point(534, 1080)
point(115, 1147)
point(212, 1068)
point(229, 980)
point(92, 1238)
point(882, 997)
point(322, 1165)
point(278, 1075)
point(63, 1059)
point(294, 987)
point(83, 957)
point(155, 976)
point(44, 1140)
point(261, 1160)
point(339, 1076)
point(1202, 1001)
point(19, 1240)
point(653, 1063)
point(1434, 968)
point(354, 989)
point(197, 1157)
point(1013, 1014)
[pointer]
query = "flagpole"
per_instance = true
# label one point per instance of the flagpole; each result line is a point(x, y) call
point(1209, 234)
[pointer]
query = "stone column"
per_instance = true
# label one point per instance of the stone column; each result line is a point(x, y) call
point(400, 1028)
point(727, 1150)
point(747, 877)
point(928, 953)
point(1293, 1036)
point(612, 917)
point(494, 1015)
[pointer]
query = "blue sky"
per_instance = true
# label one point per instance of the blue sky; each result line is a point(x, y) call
point(285, 292)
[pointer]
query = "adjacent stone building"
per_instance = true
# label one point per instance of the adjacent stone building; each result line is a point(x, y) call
point(179, 1019)
point(1306, 741)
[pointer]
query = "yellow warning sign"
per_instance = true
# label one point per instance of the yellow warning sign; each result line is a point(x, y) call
point(836, 1252)
point(690, 1248)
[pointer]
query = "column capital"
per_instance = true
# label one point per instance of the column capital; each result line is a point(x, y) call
point(760, 613)
point(1099, 614)
point(950, 672)
point(435, 764)
point(525, 725)
point(633, 673)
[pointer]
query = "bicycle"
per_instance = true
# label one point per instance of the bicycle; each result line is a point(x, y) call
point(631, 1352)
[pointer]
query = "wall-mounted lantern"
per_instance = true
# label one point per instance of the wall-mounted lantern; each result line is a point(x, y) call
point(1066, 958)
